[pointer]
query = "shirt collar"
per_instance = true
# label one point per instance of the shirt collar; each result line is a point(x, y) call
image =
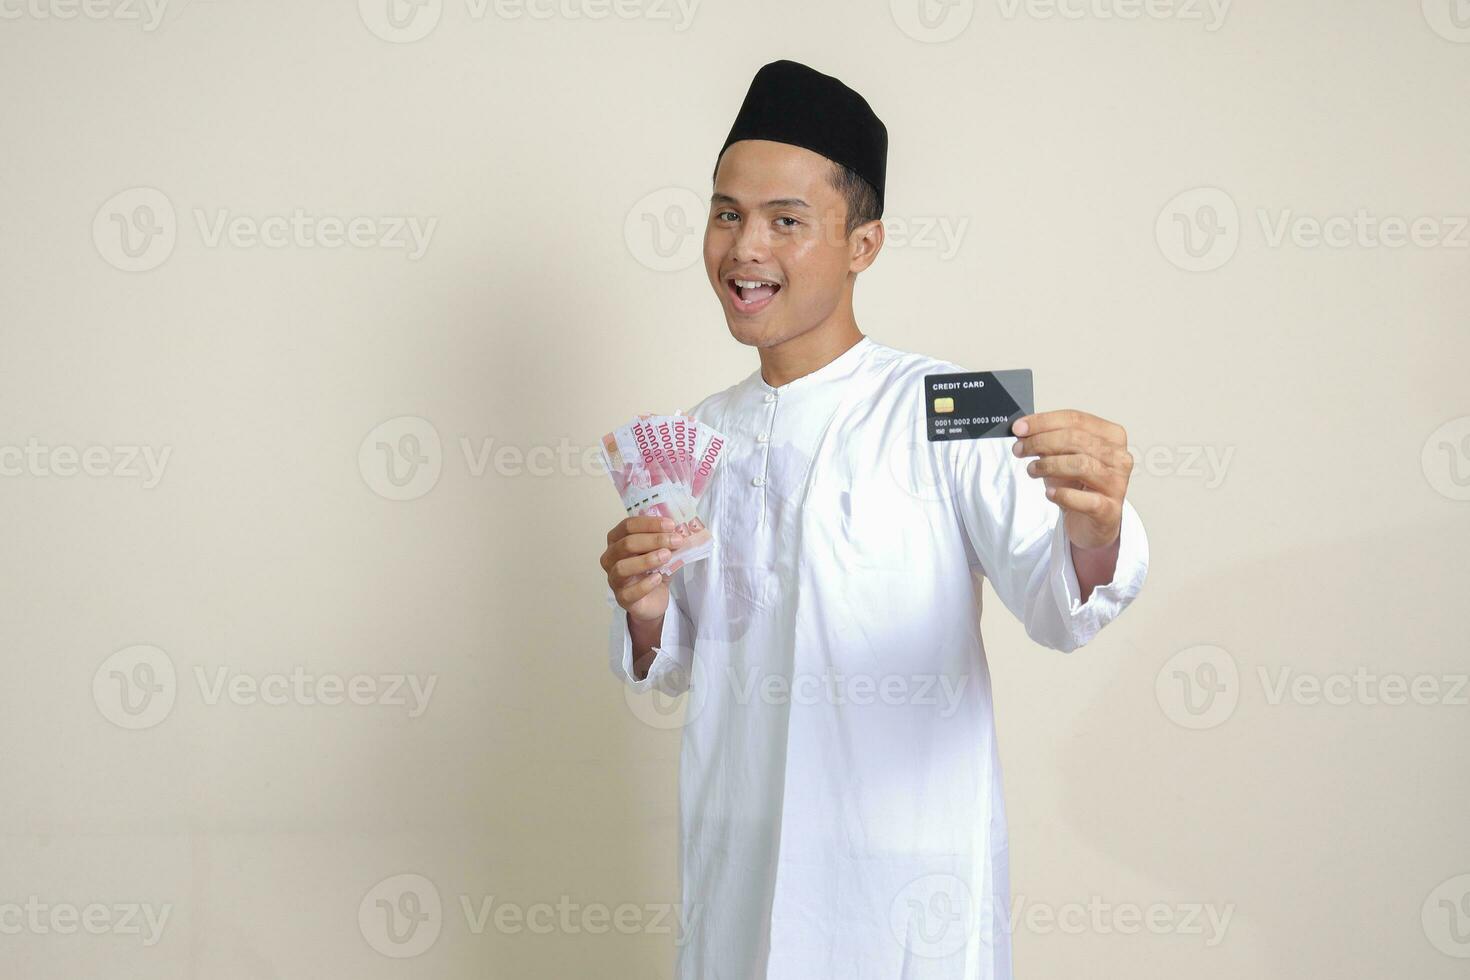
point(839, 367)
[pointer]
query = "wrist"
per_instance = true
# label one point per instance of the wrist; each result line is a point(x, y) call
point(644, 620)
point(1099, 549)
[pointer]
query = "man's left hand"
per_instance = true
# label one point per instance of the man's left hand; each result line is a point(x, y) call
point(1085, 463)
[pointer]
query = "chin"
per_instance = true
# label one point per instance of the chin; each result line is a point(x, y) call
point(750, 334)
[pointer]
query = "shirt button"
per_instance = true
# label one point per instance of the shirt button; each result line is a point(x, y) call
point(762, 438)
point(758, 481)
point(770, 396)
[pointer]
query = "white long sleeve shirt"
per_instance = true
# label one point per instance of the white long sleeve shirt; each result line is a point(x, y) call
point(841, 811)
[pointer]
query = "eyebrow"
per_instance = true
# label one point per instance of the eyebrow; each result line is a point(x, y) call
point(780, 202)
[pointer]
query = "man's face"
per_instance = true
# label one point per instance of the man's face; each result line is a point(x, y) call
point(776, 218)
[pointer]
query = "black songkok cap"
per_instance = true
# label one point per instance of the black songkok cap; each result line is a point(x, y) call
point(791, 103)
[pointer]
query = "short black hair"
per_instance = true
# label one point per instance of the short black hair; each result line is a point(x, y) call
point(862, 199)
point(861, 196)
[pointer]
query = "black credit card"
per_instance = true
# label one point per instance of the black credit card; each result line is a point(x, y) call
point(977, 404)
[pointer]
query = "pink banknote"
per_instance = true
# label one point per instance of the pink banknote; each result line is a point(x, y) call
point(661, 465)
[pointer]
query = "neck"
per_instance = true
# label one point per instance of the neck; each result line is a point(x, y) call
point(799, 356)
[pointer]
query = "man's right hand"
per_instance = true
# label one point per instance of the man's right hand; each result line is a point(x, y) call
point(636, 547)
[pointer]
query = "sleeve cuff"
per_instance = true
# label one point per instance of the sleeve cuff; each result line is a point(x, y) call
point(1107, 600)
point(669, 672)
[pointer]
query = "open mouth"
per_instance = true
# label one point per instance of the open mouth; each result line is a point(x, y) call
point(751, 295)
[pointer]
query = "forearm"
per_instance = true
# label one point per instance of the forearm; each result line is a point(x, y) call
point(645, 634)
point(1095, 566)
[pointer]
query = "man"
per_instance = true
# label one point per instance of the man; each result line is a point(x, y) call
point(839, 782)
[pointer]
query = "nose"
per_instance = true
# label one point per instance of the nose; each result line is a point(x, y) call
point(751, 245)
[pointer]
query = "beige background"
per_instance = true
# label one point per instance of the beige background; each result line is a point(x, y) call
point(1300, 414)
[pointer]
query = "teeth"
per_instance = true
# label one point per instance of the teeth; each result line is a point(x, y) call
point(752, 283)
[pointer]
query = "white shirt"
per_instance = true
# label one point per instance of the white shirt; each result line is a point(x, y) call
point(840, 790)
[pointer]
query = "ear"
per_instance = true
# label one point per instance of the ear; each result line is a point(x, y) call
point(864, 244)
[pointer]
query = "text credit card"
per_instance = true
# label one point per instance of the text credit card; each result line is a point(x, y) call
point(977, 404)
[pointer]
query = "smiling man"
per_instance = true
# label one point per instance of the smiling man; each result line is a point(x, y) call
point(840, 788)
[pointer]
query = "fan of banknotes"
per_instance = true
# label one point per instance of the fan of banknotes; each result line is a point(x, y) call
point(661, 465)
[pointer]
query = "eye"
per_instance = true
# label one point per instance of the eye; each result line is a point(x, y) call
point(725, 216)
point(793, 221)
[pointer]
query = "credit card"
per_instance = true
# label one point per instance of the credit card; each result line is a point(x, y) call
point(976, 404)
